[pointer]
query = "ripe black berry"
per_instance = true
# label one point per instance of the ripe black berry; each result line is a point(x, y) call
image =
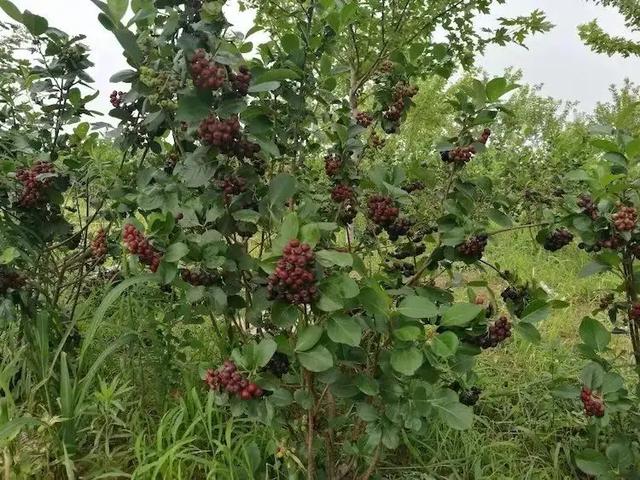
point(116, 98)
point(470, 397)
point(206, 74)
point(294, 280)
point(241, 80)
point(592, 402)
point(558, 239)
point(399, 228)
point(138, 245)
point(459, 155)
point(279, 364)
point(474, 246)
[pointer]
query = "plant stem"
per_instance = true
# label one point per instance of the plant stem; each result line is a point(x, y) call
point(374, 463)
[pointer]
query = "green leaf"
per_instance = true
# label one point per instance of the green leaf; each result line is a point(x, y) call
point(593, 268)
point(176, 251)
point(308, 338)
point(499, 218)
point(281, 397)
point(118, 8)
point(193, 107)
point(375, 301)
point(127, 76)
point(344, 329)
point(592, 375)
point(8, 255)
point(276, 74)
point(528, 331)
point(407, 333)
point(250, 216)
point(407, 361)
point(284, 314)
point(10, 429)
point(367, 385)
point(592, 462)
point(594, 334)
point(317, 360)
point(330, 258)
point(451, 411)
point(11, 10)
point(417, 307)
point(264, 87)
point(367, 412)
point(497, 87)
point(264, 351)
point(290, 42)
point(36, 24)
point(445, 344)
point(281, 189)
point(460, 314)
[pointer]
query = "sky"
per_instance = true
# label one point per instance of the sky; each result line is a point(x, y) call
point(558, 61)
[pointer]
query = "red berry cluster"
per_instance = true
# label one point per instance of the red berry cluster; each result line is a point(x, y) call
point(342, 193)
point(634, 312)
point(498, 332)
point(294, 279)
point(558, 239)
point(232, 186)
point(474, 246)
point(206, 74)
point(484, 138)
point(593, 404)
point(459, 155)
point(376, 141)
point(99, 246)
point(10, 280)
point(625, 218)
point(139, 245)
point(403, 90)
point(613, 242)
point(116, 98)
point(198, 279)
point(588, 206)
point(34, 188)
point(382, 210)
point(228, 378)
point(332, 164)
point(386, 66)
point(364, 119)
point(223, 134)
point(241, 80)
point(399, 228)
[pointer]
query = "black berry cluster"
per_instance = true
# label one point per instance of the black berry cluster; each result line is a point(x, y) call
point(332, 165)
point(223, 134)
point(474, 246)
point(558, 239)
point(470, 397)
point(625, 219)
point(206, 74)
point(613, 242)
point(459, 155)
point(342, 193)
point(498, 332)
point(364, 119)
point(243, 148)
point(409, 250)
point(382, 210)
point(33, 187)
point(228, 378)
point(198, 278)
point(634, 312)
point(99, 246)
point(399, 228)
point(413, 186)
point(116, 98)
point(241, 80)
point(593, 403)
point(407, 269)
point(294, 280)
point(517, 297)
point(607, 300)
point(10, 280)
point(484, 138)
point(232, 186)
point(138, 245)
point(348, 212)
point(588, 206)
point(278, 365)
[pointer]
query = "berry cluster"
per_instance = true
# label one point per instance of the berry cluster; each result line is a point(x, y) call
point(399, 228)
point(139, 245)
point(170, 163)
point(116, 98)
point(402, 90)
point(470, 397)
point(278, 365)
point(459, 155)
point(498, 332)
point(607, 300)
point(474, 246)
point(364, 119)
point(228, 378)
point(294, 279)
point(588, 206)
point(484, 138)
point(99, 246)
point(332, 165)
point(613, 242)
point(348, 212)
point(206, 75)
point(10, 280)
point(33, 187)
point(241, 80)
point(634, 312)
point(413, 186)
point(198, 279)
point(407, 269)
point(625, 218)
point(342, 193)
point(517, 297)
point(558, 239)
point(231, 186)
point(223, 134)
point(382, 210)
point(593, 404)
point(243, 148)
point(386, 66)
point(409, 251)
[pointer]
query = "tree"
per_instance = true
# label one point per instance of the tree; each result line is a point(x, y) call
point(602, 42)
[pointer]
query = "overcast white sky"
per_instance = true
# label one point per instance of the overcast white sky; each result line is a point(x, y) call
point(558, 60)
